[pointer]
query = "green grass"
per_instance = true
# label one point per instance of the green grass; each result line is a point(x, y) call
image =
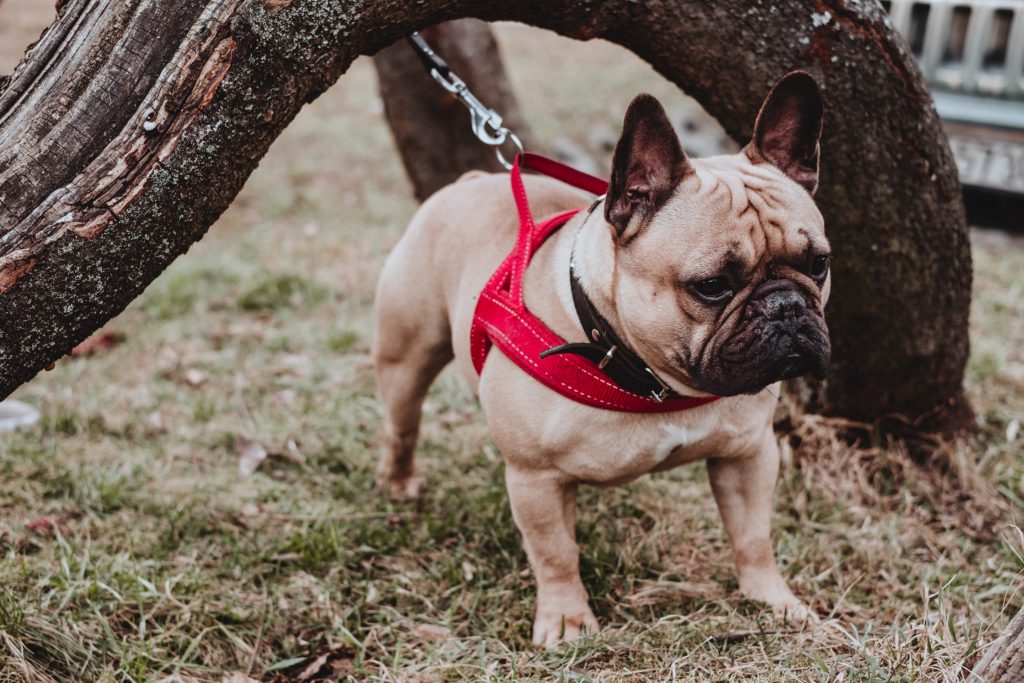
point(164, 563)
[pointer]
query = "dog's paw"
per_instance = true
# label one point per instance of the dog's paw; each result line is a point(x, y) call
point(795, 613)
point(407, 488)
point(786, 607)
point(551, 629)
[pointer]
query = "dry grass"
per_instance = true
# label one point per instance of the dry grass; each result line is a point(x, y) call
point(132, 549)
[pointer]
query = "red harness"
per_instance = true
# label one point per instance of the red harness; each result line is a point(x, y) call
point(502, 319)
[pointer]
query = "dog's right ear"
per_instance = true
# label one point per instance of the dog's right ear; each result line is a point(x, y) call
point(648, 163)
point(788, 128)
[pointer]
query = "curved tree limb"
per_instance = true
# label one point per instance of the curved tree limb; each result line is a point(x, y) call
point(132, 124)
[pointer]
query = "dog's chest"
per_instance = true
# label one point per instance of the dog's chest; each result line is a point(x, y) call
point(648, 445)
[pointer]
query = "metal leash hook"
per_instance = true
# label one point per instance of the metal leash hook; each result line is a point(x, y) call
point(485, 122)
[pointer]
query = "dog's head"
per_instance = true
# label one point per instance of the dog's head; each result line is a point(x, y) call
point(721, 264)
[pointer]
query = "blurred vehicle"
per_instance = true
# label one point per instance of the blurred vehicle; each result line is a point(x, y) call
point(972, 55)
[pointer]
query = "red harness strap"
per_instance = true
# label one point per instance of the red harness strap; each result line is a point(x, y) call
point(501, 317)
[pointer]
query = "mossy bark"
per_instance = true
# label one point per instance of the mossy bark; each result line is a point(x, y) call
point(116, 155)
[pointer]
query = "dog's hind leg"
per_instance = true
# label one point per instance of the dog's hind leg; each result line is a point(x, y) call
point(412, 344)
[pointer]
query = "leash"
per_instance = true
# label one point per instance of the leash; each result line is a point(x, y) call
point(603, 372)
point(486, 123)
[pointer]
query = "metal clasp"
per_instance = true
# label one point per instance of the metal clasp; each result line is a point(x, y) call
point(659, 396)
point(482, 116)
point(485, 122)
point(607, 357)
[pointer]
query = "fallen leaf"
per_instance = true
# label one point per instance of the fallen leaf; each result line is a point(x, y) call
point(285, 557)
point(336, 663)
point(431, 633)
point(194, 377)
point(1012, 430)
point(294, 454)
point(47, 525)
point(250, 455)
point(100, 341)
point(291, 454)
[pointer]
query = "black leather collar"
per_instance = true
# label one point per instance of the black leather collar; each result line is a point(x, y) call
point(606, 348)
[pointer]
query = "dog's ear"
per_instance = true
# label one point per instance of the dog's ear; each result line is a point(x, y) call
point(648, 163)
point(788, 128)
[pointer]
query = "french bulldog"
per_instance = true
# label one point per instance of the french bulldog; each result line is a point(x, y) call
point(715, 272)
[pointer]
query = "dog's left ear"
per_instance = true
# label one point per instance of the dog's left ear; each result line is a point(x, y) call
point(648, 163)
point(788, 128)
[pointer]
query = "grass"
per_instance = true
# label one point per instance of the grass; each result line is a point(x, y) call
point(132, 549)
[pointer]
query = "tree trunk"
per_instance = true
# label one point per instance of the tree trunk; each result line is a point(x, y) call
point(431, 129)
point(134, 123)
point(1004, 659)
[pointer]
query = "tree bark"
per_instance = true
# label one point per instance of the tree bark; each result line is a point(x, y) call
point(430, 128)
point(1004, 659)
point(133, 123)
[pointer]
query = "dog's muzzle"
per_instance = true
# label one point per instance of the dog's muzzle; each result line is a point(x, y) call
point(780, 335)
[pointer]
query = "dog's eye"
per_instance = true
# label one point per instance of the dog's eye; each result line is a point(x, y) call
point(713, 289)
point(819, 267)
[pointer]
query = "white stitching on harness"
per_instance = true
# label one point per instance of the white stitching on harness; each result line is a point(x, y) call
point(583, 368)
point(529, 360)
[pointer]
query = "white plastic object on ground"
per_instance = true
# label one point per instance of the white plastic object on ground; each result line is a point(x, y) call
point(14, 414)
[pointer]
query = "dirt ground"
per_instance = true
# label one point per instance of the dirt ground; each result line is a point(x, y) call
point(198, 501)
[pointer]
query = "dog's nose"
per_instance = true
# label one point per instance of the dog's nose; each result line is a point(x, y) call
point(783, 304)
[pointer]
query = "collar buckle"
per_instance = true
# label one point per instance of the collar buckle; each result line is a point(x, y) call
point(659, 395)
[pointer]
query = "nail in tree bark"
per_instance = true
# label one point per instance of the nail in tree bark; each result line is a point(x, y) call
point(134, 124)
point(430, 128)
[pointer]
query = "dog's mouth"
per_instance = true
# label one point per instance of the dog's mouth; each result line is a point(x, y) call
point(793, 365)
point(799, 363)
point(759, 357)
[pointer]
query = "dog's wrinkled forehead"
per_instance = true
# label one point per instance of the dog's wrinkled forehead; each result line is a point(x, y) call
point(747, 212)
point(730, 211)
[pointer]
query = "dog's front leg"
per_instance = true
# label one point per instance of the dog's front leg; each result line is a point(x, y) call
point(743, 488)
point(544, 507)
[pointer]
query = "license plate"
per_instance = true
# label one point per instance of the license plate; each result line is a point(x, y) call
point(990, 163)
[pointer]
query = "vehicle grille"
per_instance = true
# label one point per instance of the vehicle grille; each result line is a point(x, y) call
point(967, 47)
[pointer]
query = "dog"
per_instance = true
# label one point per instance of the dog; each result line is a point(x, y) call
point(715, 272)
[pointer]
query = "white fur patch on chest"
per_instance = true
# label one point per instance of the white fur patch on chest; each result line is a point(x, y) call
point(677, 437)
